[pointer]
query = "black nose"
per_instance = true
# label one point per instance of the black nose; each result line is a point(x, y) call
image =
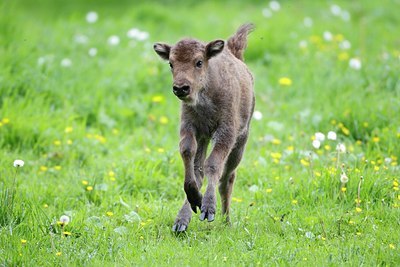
point(181, 91)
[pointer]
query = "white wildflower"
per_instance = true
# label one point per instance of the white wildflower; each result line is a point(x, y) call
point(257, 115)
point(92, 17)
point(332, 135)
point(18, 163)
point(355, 63)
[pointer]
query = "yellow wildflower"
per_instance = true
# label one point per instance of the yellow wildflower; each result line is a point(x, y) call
point(276, 155)
point(345, 130)
point(343, 56)
point(45, 206)
point(375, 139)
point(58, 254)
point(115, 131)
point(111, 173)
point(327, 147)
point(68, 130)
point(109, 213)
point(237, 199)
point(290, 148)
point(163, 120)
point(391, 246)
point(67, 233)
point(358, 210)
point(395, 183)
point(57, 143)
point(160, 150)
point(23, 241)
point(269, 190)
point(285, 81)
point(304, 162)
point(276, 141)
point(89, 188)
point(69, 142)
point(343, 189)
point(294, 201)
point(43, 168)
point(57, 168)
point(84, 182)
point(5, 120)
point(157, 99)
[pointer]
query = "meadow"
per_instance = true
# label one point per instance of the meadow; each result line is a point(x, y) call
point(88, 106)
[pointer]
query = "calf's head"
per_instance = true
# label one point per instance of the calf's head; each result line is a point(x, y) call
point(189, 60)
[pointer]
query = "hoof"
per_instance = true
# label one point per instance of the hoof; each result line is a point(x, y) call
point(179, 228)
point(210, 216)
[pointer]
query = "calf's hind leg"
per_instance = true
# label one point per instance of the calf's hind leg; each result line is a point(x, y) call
point(228, 178)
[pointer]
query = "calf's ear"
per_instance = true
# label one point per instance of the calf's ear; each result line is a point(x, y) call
point(162, 50)
point(214, 48)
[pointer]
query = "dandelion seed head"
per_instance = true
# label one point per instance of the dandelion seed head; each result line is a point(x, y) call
point(66, 63)
point(328, 36)
point(319, 136)
point(257, 115)
point(113, 40)
point(308, 22)
point(266, 12)
point(341, 148)
point(343, 178)
point(345, 15)
point(355, 63)
point(331, 135)
point(92, 17)
point(274, 6)
point(18, 163)
point(64, 219)
point(345, 45)
point(316, 144)
point(92, 52)
point(336, 10)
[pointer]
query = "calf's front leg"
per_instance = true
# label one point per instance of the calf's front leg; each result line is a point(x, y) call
point(214, 166)
point(188, 147)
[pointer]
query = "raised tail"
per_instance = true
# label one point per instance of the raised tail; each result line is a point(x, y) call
point(238, 42)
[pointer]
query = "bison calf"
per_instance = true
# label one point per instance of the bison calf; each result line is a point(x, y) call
point(216, 90)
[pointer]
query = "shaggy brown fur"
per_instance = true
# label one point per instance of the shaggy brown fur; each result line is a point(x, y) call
point(216, 89)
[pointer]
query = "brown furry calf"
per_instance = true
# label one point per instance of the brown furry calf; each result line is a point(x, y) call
point(216, 90)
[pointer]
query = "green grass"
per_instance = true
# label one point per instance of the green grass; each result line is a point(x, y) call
point(111, 122)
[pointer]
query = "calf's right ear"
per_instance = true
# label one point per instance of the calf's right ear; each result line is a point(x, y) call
point(162, 50)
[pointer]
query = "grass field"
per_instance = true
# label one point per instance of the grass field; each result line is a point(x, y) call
point(88, 106)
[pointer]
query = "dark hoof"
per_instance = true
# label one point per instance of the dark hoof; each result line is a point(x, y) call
point(210, 216)
point(195, 200)
point(179, 228)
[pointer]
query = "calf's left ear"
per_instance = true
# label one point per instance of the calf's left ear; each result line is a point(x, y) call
point(214, 48)
point(162, 50)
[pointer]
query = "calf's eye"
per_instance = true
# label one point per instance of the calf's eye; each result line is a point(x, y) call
point(170, 65)
point(199, 64)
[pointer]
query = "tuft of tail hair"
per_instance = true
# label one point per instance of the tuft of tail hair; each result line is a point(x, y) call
point(238, 42)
